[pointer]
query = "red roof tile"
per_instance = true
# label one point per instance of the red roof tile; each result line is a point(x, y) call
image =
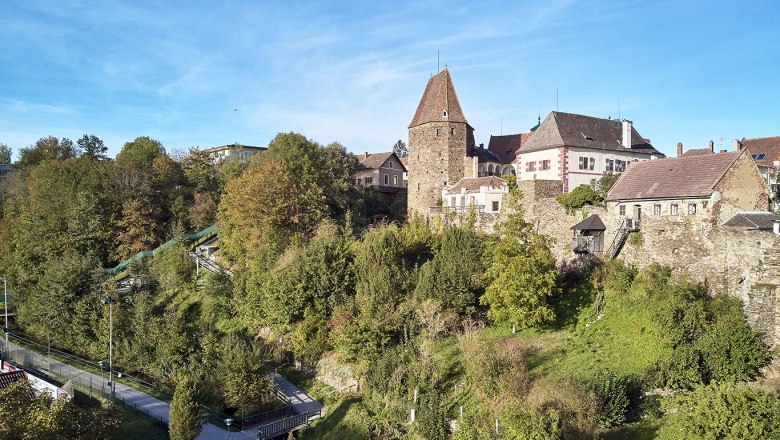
point(768, 145)
point(678, 177)
point(439, 97)
point(698, 152)
point(506, 146)
point(375, 160)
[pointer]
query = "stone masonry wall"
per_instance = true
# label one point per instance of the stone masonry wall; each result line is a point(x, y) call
point(743, 263)
point(434, 161)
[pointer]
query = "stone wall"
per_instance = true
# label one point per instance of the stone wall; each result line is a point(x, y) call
point(743, 263)
point(737, 192)
point(436, 158)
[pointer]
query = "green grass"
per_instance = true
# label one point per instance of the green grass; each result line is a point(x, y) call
point(344, 419)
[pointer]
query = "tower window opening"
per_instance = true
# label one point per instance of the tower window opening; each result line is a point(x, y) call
point(445, 113)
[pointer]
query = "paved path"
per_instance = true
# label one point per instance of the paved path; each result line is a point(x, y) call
point(143, 402)
point(301, 402)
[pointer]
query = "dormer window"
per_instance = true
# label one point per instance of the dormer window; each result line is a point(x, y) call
point(444, 114)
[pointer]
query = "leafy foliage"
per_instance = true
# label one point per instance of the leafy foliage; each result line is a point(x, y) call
point(185, 422)
point(579, 197)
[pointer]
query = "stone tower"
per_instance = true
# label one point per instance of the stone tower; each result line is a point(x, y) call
point(440, 142)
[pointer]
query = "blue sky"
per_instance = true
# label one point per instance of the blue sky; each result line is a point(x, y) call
point(208, 73)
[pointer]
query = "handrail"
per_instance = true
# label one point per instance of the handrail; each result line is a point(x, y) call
point(288, 424)
point(614, 240)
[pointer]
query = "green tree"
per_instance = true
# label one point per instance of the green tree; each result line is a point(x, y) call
point(399, 148)
point(5, 154)
point(47, 148)
point(185, 421)
point(522, 273)
point(722, 411)
point(245, 374)
point(93, 146)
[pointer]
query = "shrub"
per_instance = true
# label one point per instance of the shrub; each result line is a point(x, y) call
point(731, 351)
point(531, 422)
point(722, 411)
point(579, 197)
point(432, 417)
point(613, 398)
point(680, 370)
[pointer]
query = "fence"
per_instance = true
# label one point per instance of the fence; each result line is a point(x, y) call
point(289, 424)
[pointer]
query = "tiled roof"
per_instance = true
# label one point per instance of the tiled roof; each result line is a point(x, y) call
point(752, 220)
point(506, 146)
point(439, 96)
point(404, 160)
point(567, 129)
point(375, 160)
point(768, 145)
point(475, 183)
point(592, 223)
point(678, 177)
point(234, 146)
point(698, 152)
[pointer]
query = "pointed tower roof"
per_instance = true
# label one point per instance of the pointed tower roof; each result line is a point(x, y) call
point(439, 103)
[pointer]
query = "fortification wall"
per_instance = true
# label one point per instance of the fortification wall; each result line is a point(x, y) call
point(743, 263)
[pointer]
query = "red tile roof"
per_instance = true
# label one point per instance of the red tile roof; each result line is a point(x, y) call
point(752, 220)
point(475, 183)
point(698, 152)
point(768, 145)
point(506, 146)
point(679, 177)
point(439, 97)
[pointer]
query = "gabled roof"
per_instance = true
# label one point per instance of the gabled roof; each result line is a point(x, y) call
point(698, 152)
point(475, 183)
point(592, 223)
point(439, 97)
point(567, 129)
point(768, 145)
point(233, 147)
point(506, 146)
point(375, 160)
point(678, 177)
point(752, 220)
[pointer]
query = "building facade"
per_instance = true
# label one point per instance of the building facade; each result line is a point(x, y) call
point(238, 152)
point(381, 171)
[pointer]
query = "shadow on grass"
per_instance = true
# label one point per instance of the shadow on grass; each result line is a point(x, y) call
point(338, 425)
point(642, 430)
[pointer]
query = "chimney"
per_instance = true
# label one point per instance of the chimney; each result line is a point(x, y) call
point(736, 144)
point(626, 133)
point(711, 146)
point(482, 146)
point(365, 155)
point(679, 149)
point(723, 151)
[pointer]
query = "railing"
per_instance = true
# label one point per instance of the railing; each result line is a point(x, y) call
point(267, 416)
point(289, 424)
point(629, 225)
point(457, 209)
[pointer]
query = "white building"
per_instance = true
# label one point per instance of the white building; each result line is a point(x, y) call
point(238, 152)
point(578, 149)
point(482, 194)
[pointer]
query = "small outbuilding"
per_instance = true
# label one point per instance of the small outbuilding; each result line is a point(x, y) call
point(588, 236)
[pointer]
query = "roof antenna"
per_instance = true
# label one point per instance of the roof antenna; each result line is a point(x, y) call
point(620, 118)
point(502, 126)
point(556, 99)
point(437, 62)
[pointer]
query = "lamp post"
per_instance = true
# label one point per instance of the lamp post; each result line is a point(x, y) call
point(110, 302)
point(5, 301)
point(102, 382)
point(228, 422)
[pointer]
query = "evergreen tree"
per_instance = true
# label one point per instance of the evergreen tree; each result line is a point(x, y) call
point(185, 422)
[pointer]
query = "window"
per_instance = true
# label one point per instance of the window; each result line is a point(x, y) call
point(620, 166)
point(657, 209)
point(395, 180)
point(759, 156)
point(610, 165)
point(587, 163)
point(438, 132)
point(453, 202)
point(391, 164)
point(369, 180)
point(673, 209)
point(444, 114)
point(387, 180)
point(495, 206)
point(452, 131)
point(530, 166)
point(545, 165)
point(622, 209)
point(691, 209)
point(418, 186)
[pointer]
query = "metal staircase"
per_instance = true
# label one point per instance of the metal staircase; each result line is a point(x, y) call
point(628, 226)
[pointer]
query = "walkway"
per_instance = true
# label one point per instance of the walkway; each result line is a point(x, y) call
point(301, 402)
point(129, 396)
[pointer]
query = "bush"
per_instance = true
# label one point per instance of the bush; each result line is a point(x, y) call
point(680, 370)
point(731, 351)
point(613, 398)
point(722, 411)
point(432, 417)
point(579, 197)
point(531, 422)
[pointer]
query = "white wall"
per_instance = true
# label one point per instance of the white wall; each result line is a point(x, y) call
point(579, 177)
point(538, 157)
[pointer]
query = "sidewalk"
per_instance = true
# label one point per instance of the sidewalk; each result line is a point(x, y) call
point(130, 396)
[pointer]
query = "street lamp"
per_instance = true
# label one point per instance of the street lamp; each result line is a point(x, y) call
point(228, 421)
point(110, 302)
point(102, 382)
point(5, 301)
